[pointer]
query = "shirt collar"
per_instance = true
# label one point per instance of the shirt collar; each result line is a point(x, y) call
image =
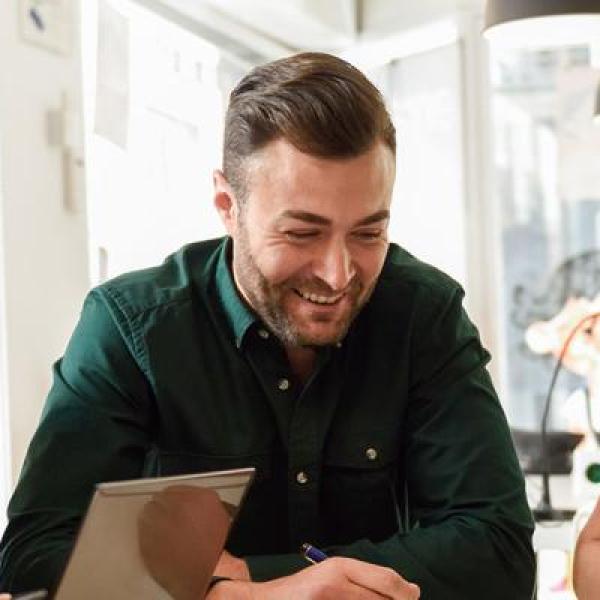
point(239, 315)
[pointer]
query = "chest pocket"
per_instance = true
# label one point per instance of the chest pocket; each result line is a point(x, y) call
point(359, 489)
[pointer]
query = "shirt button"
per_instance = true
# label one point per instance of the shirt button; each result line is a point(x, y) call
point(283, 384)
point(263, 333)
point(301, 477)
point(371, 453)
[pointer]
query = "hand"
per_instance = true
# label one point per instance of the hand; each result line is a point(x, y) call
point(230, 566)
point(330, 580)
point(178, 530)
point(5, 596)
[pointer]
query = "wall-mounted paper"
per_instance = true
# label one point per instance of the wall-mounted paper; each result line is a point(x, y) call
point(48, 23)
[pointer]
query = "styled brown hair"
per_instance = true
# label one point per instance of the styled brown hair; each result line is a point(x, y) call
point(319, 103)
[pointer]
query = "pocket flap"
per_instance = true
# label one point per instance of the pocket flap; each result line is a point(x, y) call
point(364, 450)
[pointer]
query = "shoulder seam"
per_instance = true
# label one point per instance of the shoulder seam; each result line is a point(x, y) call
point(125, 319)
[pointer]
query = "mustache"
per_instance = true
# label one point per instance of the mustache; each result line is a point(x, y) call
point(322, 288)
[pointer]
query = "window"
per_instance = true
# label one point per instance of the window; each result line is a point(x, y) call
point(547, 183)
point(155, 98)
point(428, 213)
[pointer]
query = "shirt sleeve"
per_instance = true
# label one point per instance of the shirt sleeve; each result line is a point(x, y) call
point(94, 427)
point(470, 527)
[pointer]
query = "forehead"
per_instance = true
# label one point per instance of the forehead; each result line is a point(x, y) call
point(284, 177)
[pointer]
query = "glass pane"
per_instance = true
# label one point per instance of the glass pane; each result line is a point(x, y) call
point(428, 215)
point(547, 175)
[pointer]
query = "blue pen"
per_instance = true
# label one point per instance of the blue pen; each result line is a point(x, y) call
point(312, 554)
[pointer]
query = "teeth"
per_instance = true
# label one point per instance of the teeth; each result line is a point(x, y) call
point(320, 299)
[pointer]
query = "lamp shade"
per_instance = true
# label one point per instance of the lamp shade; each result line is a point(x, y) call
point(542, 22)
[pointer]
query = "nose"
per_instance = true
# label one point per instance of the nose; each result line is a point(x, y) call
point(335, 266)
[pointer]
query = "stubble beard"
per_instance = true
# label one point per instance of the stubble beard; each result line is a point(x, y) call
point(266, 299)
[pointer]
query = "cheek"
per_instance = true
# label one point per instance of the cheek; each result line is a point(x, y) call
point(369, 265)
point(279, 264)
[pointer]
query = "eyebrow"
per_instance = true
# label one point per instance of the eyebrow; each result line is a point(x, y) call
point(309, 217)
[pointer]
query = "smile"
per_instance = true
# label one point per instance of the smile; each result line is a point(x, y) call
point(318, 299)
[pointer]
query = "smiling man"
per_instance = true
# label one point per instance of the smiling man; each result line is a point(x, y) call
point(309, 241)
point(306, 345)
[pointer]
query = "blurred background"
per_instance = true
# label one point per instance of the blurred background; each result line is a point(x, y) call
point(111, 114)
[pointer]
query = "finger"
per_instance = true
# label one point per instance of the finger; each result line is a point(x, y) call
point(383, 580)
point(358, 592)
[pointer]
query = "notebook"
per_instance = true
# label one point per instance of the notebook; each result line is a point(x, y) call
point(107, 562)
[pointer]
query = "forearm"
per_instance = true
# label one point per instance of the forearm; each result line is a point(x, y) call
point(27, 565)
point(458, 559)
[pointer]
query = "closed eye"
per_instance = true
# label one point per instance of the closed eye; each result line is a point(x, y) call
point(300, 235)
point(370, 235)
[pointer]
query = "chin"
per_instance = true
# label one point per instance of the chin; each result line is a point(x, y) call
point(328, 338)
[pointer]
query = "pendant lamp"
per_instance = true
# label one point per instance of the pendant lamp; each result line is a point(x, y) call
point(525, 23)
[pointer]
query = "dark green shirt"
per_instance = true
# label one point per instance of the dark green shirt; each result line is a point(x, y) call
point(396, 451)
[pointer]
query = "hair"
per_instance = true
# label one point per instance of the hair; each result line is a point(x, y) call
point(319, 103)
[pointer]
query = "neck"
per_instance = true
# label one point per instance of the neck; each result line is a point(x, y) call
point(302, 361)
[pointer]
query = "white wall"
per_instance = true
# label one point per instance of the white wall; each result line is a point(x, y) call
point(45, 249)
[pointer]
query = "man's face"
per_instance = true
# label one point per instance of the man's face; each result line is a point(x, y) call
point(310, 240)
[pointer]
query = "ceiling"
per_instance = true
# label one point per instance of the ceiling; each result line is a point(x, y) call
point(264, 28)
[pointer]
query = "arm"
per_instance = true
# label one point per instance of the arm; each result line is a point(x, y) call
point(94, 428)
point(334, 578)
point(470, 531)
point(471, 535)
point(586, 575)
point(174, 525)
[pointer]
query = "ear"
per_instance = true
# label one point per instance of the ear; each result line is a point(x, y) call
point(225, 202)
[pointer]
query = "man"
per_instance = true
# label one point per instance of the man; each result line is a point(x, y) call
point(307, 346)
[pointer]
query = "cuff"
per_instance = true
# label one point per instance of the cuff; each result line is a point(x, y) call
point(267, 567)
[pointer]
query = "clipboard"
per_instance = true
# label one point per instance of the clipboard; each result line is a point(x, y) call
point(106, 561)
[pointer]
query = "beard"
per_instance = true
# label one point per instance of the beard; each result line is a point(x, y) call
point(268, 299)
